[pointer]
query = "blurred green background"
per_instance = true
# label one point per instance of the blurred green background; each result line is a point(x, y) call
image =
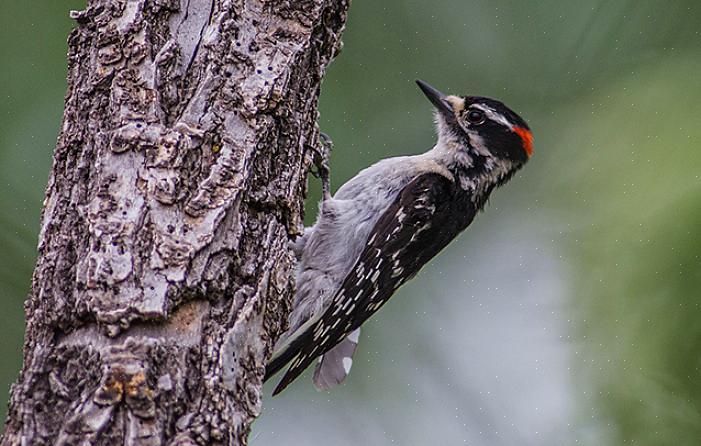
point(567, 314)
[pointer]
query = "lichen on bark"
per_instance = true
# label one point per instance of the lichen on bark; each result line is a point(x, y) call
point(163, 275)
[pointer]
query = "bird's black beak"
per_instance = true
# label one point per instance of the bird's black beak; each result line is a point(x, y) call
point(438, 99)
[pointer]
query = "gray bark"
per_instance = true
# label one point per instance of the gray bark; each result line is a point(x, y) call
point(163, 275)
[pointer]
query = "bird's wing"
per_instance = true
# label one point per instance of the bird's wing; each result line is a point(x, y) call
point(426, 215)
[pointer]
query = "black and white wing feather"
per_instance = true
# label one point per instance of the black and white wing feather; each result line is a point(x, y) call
point(426, 215)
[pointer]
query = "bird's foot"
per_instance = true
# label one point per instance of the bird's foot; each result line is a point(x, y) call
point(322, 156)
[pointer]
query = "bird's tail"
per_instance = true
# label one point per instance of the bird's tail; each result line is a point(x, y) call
point(334, 366)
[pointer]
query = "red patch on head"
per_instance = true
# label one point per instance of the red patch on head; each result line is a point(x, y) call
point(526, 139)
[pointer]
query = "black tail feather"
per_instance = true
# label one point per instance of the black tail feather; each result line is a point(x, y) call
point(290, 352)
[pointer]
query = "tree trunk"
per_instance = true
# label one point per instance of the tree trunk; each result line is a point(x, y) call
point(164, 271)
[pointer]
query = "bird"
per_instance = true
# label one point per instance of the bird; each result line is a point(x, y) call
point(383, 225)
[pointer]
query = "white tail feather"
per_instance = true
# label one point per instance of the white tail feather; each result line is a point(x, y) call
point(335, 365)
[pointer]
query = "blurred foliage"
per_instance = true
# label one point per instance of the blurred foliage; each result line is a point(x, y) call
point(634, 205)
point(612, 91)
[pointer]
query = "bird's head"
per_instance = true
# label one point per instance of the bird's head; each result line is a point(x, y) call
point(484, 126)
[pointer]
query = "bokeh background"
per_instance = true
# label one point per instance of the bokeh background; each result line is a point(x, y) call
point(567, 314)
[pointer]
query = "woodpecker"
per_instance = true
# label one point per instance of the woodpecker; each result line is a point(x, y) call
point(384, 224)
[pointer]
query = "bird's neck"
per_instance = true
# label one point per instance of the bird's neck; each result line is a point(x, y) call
point(476, 171)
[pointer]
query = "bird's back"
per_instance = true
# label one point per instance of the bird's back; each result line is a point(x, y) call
point(338, 236)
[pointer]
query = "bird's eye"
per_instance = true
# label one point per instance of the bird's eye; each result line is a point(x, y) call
point(476, 116)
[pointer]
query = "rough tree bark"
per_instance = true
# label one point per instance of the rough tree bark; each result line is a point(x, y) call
point(163, 275)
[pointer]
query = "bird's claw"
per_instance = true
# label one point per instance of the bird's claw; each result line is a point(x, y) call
point(322, 155)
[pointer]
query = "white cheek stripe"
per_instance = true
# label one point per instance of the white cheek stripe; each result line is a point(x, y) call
point(493, 115)
point(478, 144)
